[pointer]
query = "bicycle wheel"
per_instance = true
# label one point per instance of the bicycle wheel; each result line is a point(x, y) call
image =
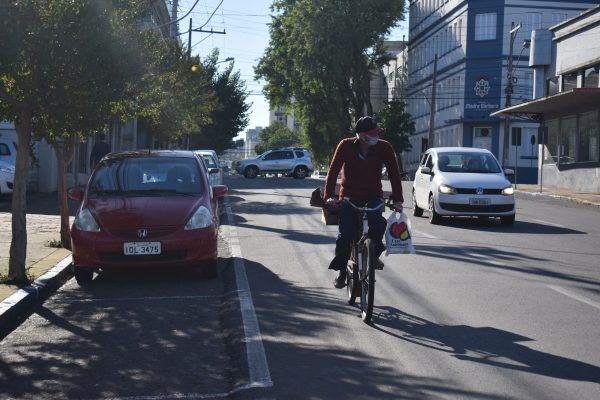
point(367, 280)
point(352, 277)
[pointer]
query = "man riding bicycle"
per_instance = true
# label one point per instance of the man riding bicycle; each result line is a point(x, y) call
point(361, 159)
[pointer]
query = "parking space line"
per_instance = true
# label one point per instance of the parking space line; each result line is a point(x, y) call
point(257, 360)
point(574, 296)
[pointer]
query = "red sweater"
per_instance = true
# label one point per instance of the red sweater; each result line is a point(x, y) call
point(361, 178)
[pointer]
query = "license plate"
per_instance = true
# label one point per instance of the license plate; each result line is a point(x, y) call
point(475, 201)
point(141, 248)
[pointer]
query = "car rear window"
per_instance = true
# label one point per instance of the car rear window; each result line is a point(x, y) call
point(147, 176)
point(299, 154)
point(4, 150)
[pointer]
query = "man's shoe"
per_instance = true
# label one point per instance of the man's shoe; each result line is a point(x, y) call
point(379, 264)
point(340, 281)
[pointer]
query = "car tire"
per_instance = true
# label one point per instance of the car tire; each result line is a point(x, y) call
point(300, 172)
point(210, 271)
point(434, 217)
point(417, 211)
point(508, 221)
point(251, 172)
point(83, 276)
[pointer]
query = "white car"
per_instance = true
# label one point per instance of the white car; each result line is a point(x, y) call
point(462, 181)
point(319, 174)
point(215, 172)
point(7, 177)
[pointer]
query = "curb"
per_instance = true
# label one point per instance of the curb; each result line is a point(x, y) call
point(17, 307)
point(556, 197)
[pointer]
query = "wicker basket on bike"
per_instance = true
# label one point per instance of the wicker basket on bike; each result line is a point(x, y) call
point(329, 215)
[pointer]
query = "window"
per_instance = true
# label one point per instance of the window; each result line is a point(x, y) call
point(569, 81)
point(459, 32)
point(485, 26)
point(568, 138)
point(4, 150)
point(532, 21)
point(552, 86)
point(210, 161)
point(590, 77)
point(558, 18)
point(516, 137)
point(550, 152)
point(589, 137)
point(287, 155)
point(429, 162)
point(299, 154)
point(275, 155)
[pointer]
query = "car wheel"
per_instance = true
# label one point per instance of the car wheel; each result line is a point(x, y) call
point(300, 172)
point(251, 172)
point(507, 221)
point(83, 275)
point(210, 270)
point(434, 217)
point(417, 211)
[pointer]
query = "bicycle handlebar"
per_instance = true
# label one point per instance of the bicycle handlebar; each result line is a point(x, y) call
point(389, 204)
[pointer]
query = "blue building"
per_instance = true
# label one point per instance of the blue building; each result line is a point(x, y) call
point(471, 39)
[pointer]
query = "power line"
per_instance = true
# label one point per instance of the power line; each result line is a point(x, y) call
point(174, 22)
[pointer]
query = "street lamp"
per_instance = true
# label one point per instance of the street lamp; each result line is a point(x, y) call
point(225, 60)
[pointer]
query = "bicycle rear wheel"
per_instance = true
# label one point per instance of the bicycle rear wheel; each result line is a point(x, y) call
point(352, 277)
point(367, 280)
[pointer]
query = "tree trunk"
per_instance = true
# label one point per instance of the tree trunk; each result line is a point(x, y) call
point(18, 244)
point(64, 153)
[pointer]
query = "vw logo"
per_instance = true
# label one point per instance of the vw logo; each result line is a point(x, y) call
point(142, 233)
point(479, 190)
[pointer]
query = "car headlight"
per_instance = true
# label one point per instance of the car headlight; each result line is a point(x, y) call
point(202, 218)
point(508, 191)
point(84, 221)
point(447, 189)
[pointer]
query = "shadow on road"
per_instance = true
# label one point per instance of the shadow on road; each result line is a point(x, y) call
point(493, 225)
point(499, 259)
point(483, 345)
point(293, 322)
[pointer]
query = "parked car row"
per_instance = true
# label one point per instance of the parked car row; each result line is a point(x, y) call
point(148, 208)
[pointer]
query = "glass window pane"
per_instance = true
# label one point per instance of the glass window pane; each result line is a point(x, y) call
point(591, 78)
point(485, 26)
point(552, 86)
point(569, 82)
point(568, 134)
point(550, 151)
point(588, 137)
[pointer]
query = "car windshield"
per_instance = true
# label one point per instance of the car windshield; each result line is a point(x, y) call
point(468, 162)
point(147, 176)
point(210, 161)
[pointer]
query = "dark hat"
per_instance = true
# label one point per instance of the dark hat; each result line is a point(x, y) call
point(367, 125)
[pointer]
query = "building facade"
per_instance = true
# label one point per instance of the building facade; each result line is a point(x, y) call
point(565, 60)
point(389, 82)
point(285, 116)
point(471, 39)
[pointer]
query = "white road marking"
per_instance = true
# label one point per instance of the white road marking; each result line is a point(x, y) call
point(575, 296)
point(257, 359)
point(420, 233)
point(546, 222)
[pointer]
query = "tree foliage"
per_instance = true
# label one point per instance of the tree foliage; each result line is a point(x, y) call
point(319, 62)
point(277, 135)
point(398, 126)
point(230, 115)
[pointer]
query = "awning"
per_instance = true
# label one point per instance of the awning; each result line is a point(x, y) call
point(576, 99)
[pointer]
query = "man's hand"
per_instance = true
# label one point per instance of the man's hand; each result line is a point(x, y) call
point(397, 206)
point(331, 202)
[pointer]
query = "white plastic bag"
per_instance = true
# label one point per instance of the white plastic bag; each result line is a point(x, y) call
point(398, 235)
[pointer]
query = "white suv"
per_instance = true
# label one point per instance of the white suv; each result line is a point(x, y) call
point(454, 181)
point(292, 162)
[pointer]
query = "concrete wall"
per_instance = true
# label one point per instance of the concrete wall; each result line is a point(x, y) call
point(577, 44)
point(579, 179)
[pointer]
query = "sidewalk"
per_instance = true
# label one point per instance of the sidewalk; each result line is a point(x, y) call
point(587, 198)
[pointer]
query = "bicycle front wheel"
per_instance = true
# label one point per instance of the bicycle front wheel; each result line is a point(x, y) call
point(352, 280)
point(367, 279)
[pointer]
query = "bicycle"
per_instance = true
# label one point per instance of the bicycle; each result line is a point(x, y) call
point(360, 276)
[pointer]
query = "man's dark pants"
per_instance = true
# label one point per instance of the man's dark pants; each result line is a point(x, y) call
point(350, 227)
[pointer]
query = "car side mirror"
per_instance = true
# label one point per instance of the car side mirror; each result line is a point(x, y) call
point(509, 171)
point(75, 193)
point(213, 170)
point(219, 191)
point(426, 171)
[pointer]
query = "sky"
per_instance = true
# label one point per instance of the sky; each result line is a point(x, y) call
point(247, 35)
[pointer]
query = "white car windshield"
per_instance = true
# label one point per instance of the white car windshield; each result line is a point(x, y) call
point(468, 162)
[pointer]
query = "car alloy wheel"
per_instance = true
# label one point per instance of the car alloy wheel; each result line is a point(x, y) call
point(434, 217)
point(251, 172)
point(300, 172)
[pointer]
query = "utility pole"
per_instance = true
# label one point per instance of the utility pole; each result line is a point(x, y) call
point(190, 41)
point(174, 18)
point(432, 104)
point(508, 91)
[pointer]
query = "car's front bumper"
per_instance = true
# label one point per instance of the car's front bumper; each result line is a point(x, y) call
point(180, 249)
point(462, 205)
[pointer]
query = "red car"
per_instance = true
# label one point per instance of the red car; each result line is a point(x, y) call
point(150, 208)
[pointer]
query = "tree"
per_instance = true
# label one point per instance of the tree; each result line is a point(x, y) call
point(319, 62)
point(398, 125)
point(230, 115)
point(277, 135)
point(64, 67)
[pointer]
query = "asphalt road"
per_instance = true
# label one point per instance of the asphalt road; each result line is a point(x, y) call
point(480, 312)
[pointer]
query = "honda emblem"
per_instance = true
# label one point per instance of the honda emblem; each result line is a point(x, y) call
point(142, 233)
